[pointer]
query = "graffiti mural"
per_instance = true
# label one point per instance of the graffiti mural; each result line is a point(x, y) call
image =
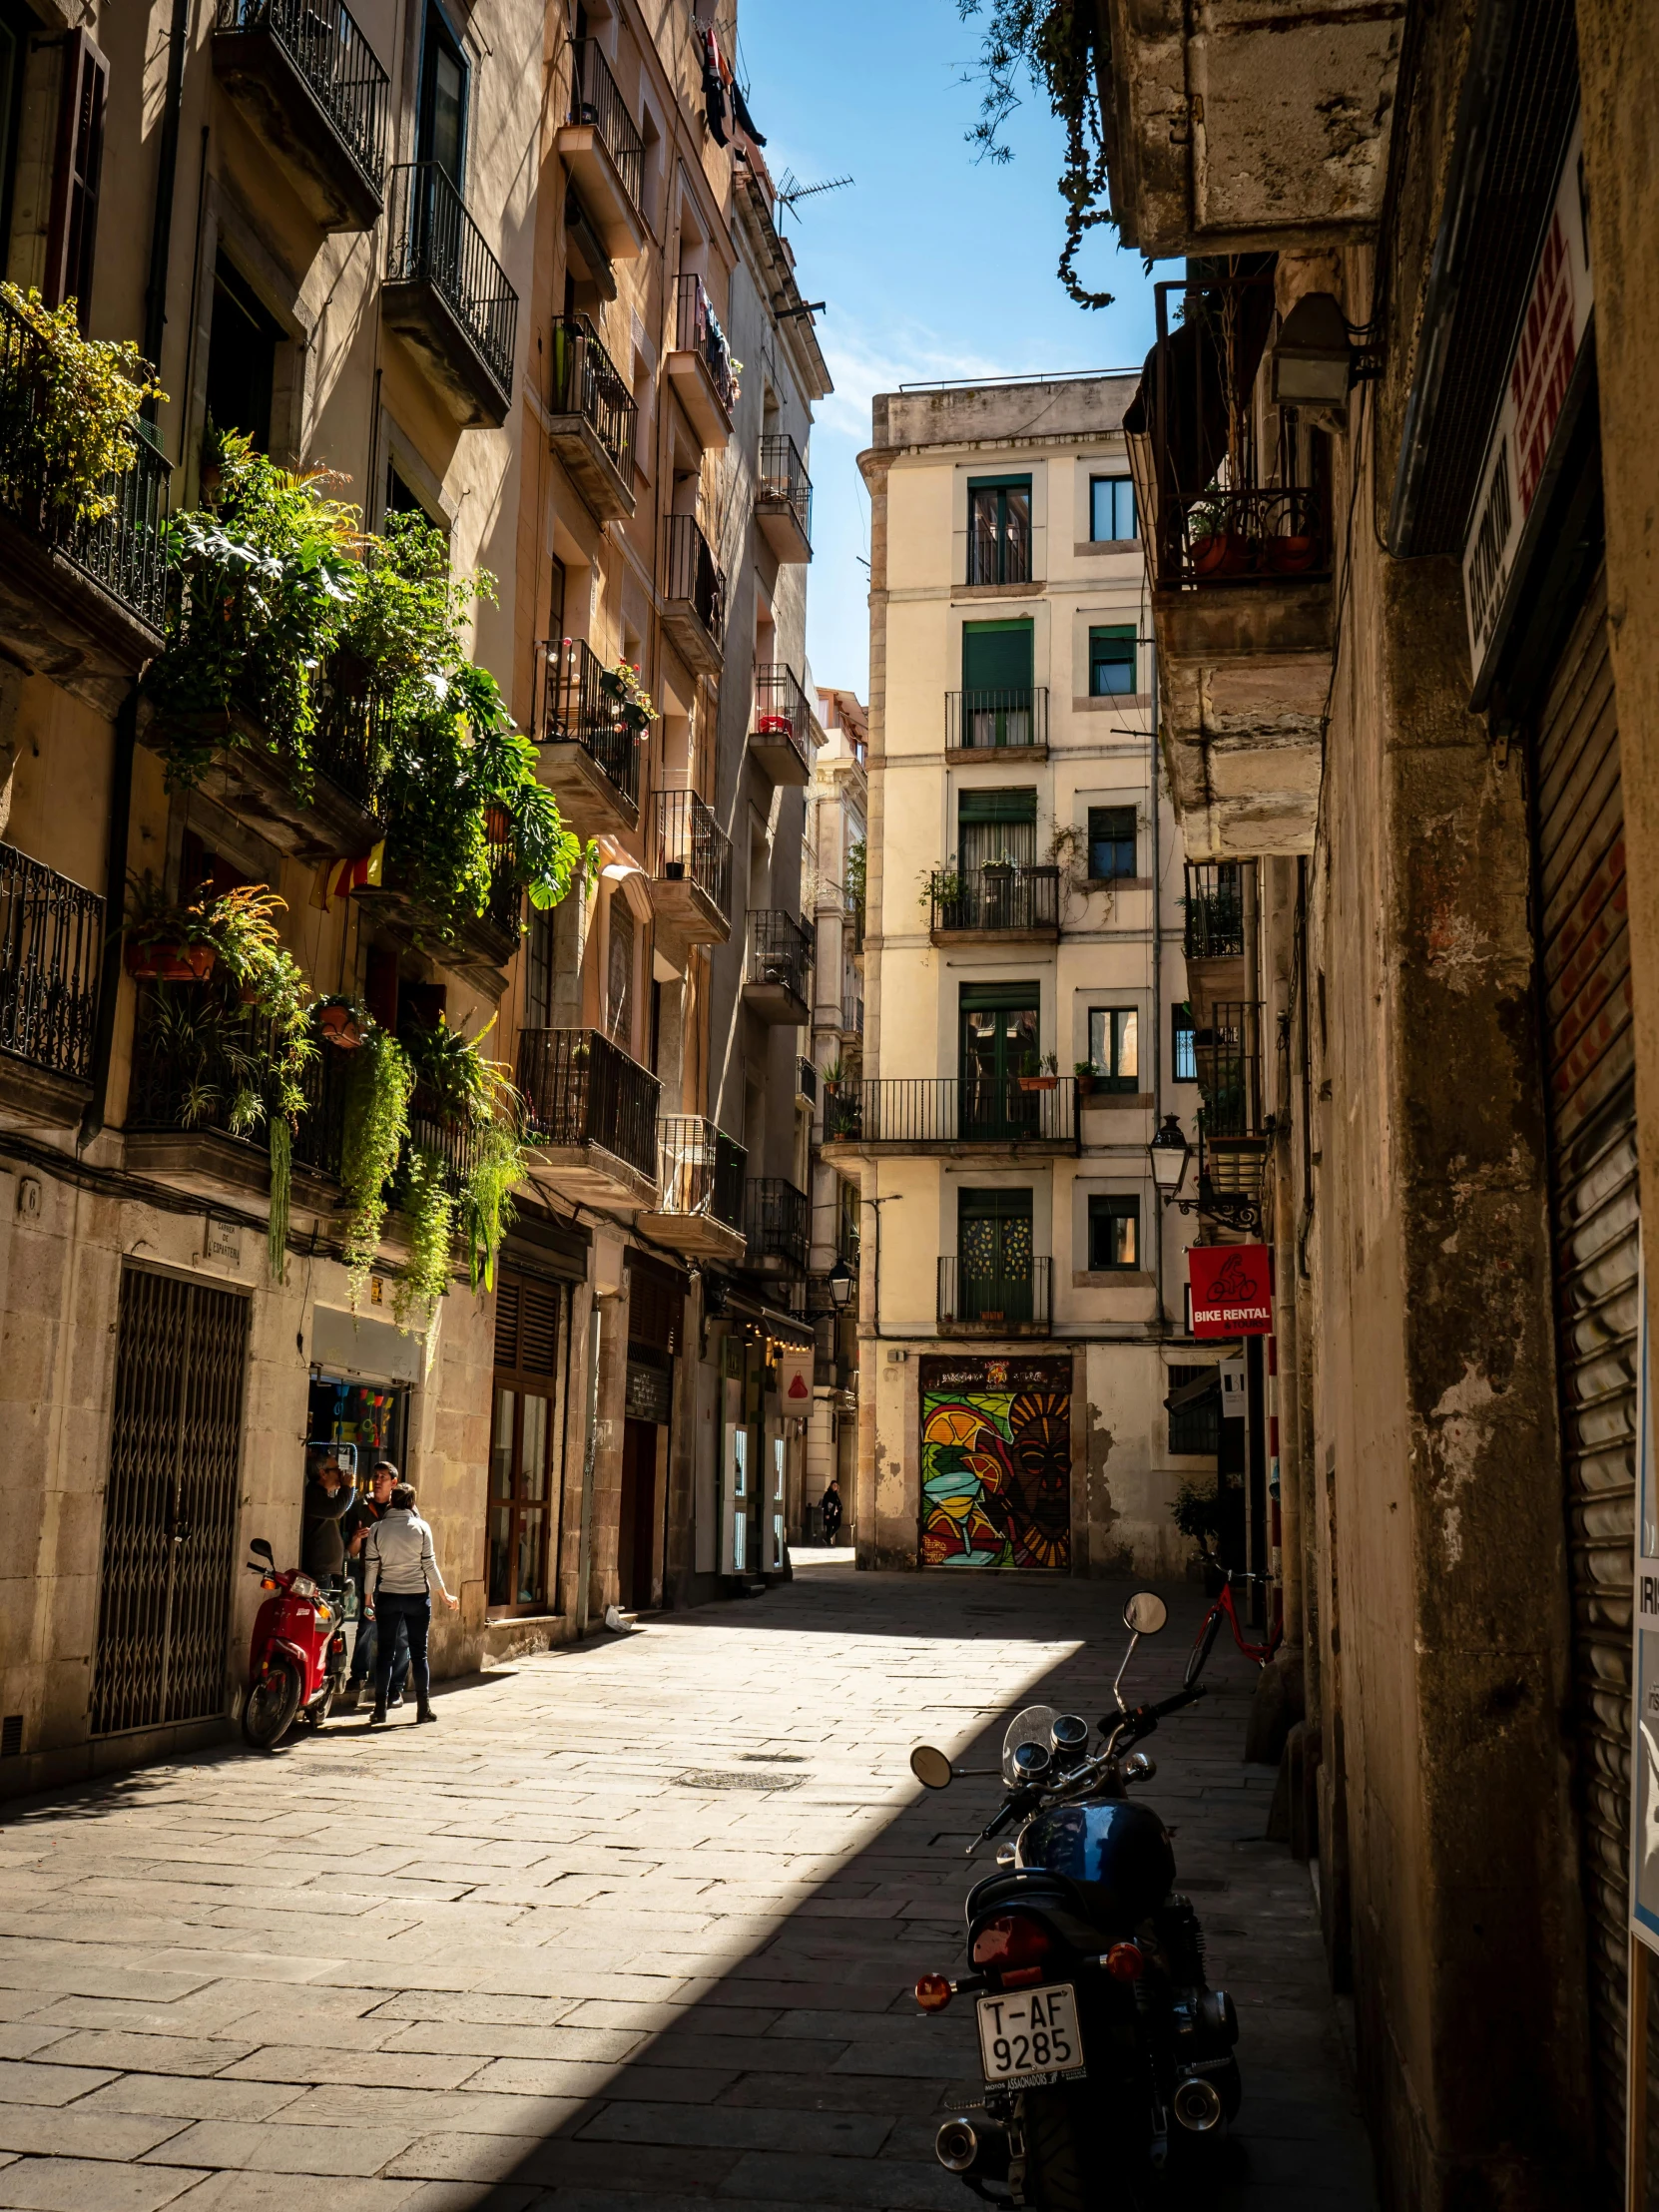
point(996, 1464)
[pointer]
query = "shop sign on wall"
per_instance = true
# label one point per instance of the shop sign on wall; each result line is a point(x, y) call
point(1232, 1290)
point(650, 1392)
point(795, 1382)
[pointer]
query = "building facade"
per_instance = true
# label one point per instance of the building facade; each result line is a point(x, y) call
point(1024, 1001)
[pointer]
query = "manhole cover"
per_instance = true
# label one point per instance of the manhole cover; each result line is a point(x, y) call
point(694, 1780)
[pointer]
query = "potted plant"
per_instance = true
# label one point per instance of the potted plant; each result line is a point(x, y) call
point(1040, 1074)
point(166, 942)
point(341, 1023)
point(1087, 1075)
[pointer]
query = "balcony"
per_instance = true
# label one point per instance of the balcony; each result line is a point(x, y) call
point(591, 1116)
point(592, 419)
point(780, 732)
point(1213, 936)
point(776, 971)
point(310, 88)
point(699, 367)
point(1232, 1139)
point(1235, 521)
point(694, 597)
point(478, 947)
point(1285, 141)
point(783, 501)
point(700, 1172)
point(1005, 906)
point(1012, 1116)
point(51, 950)
point(977, 723)
point(80, 602)
point(602, 149)
point(778, 1222)
point(331, 803)
point(588, 756)
point(1013, 1300)
point(446, 296)
point(691, 867)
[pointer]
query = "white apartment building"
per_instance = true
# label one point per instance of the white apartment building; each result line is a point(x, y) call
point(1021, 1313)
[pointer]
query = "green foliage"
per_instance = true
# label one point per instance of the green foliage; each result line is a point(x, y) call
point(68, 406)
point(1198, 1514)
point(622, 684)
point(1059, 45)
point(857, 869)
point(476, 1095)
point(431, 1213)
point(486, 1209)
point(376, 1123)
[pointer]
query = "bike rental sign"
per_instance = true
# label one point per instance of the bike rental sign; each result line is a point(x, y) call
point(1232, 1290)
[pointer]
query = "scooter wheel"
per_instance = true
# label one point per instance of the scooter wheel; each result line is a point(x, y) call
point(271, 1704)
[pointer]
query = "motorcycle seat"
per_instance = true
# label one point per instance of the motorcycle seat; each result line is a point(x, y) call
point(1034, 1890)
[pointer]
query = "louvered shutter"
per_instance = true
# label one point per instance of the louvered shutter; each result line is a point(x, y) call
point(72, 232)
point(506, 1324)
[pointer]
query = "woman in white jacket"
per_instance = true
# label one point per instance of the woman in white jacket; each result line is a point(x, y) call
point(400, 1572)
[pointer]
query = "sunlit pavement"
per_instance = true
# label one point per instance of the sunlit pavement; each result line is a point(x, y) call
point(634, 1927)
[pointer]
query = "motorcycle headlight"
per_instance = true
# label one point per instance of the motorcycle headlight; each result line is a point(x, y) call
point(304, 1586)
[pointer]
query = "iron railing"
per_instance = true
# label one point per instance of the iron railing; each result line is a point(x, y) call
point(432, 239)
point(352, 742)
point(192, 1054)
point(587, 383)
point(692, 847)
point(595, 100)
point(990, 721)
point(1000, 538)
point(1228, 1056)
point(779, 950)
point(1016, 1295)
point(1214, 903)
point(580, 705)
point(781, 711)
point(692, 574)
point(700, 1170)
point(330, 51)
point(1018, 901)
point(579, 1088)
point(784, 482)
point(125, 552)
point(51, 947)
point(1217, 504)
point(440, 1136)
point(952, 1109)
point(779, 1223)
point(697, 331)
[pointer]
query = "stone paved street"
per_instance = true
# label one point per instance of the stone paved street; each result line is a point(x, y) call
point(634, 1927)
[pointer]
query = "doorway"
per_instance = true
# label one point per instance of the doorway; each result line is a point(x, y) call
point(994, 1247)
point(999, 1025)
point(636, 1550)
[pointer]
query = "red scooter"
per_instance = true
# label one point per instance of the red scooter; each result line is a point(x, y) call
point(297, 1662)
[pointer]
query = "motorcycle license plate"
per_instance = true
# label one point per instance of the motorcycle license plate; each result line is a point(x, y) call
point(1028, 2038)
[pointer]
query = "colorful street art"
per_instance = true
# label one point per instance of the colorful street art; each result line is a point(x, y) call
point(996, 1464)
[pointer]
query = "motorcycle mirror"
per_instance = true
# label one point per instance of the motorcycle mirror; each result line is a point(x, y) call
point(931, 1768)
point(1145, 1613)
point(263, 1549)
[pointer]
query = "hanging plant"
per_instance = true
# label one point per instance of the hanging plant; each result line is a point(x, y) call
point(622, 684)
point(377, 1125)
point(69, 412)
point(475, 1096)
point(431, 1213)
point(341, 1023)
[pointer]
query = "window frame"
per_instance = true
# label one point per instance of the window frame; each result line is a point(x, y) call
point(1001, 535)
point(1109, 1206)
point(1182, 1028)
point(1179, 1376)
point(1118, 1019)
point(1094, 841)
point(1120, 634)
point(1123, 483)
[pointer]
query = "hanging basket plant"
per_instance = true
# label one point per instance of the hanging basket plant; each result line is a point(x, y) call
point(340, 1022)
point(632, 702)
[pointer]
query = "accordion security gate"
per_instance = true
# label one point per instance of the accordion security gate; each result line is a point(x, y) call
point(170, 1511)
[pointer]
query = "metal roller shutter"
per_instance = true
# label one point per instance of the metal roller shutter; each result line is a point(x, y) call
point(1584, 952)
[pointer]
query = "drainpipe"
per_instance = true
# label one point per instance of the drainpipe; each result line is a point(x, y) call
point(1159, 1213)
point(115, 903)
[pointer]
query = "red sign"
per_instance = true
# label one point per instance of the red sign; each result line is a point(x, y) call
point(1231, 1289)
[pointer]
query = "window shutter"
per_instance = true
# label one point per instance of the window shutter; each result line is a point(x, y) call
point(72, 233)
point(539, 1338)
point(506, 1324)
point(996, 655)
point(1014, 805)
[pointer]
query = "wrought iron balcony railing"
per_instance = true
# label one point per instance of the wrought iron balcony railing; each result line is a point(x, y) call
point(432, 239)
point(1228, 1056)
point(1217, 504)
point(1214, 903)
point(194, 1056)
point(780, 710)
point(596, 100)
point(1014, 1296)
point(779, 1223)
point(950, 1109)
point(587, 383)
point(1015, 902)
point(779, 950)
point(51, 946)
point(692, 847)
point(697, 331)
point(580, 1089)
point(579, 704)
point(330, 52)
point(694, 575)
point(700, 1169)
point(125, 554)
point(1011, 719)
point(783, 481)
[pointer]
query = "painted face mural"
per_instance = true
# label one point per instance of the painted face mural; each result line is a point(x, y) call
point(996, 1464)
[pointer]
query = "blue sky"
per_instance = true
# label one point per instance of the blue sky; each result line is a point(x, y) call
point(931, 265)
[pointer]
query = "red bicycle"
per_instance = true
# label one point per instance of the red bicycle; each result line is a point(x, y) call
point(1222, 1609)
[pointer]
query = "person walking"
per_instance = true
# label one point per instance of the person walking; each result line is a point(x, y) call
point(829, 1513)
point(400, 1572)
point(368, 1512)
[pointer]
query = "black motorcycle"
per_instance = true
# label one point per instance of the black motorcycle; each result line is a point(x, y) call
point(1102, 2045)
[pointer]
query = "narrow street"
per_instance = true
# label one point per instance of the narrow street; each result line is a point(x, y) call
point(634, 1926)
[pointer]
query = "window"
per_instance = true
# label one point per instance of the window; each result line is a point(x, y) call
point(997, 684)
point(443, 100)
point(999, 1044)
point(996, 826)
point(1111, 844)
point(618, 987)
point(523, 1505)
point(1183, 1053)
point(241, 359)
point(995, 1265)
point(1114, 1235)
point(72, 232)
point(1195, 1427)
point(1112, 662)
point(1111, 509)
point(999, 530)
point(538, 971)
point(1114, 1047)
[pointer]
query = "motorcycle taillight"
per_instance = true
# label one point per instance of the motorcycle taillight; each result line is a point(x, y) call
point(1010, 1942)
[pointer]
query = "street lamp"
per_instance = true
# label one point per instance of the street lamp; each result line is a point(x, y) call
point(1312, 359)
point(1169, 1153)
point(843, 1281)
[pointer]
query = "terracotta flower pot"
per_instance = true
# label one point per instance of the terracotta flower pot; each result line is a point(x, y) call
point(1209, 553)
point(339, 1027)
point(168, 960)
point(1038, 1082)
point(1291, 555)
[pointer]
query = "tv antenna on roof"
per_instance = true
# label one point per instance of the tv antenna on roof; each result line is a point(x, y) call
point(791, 188)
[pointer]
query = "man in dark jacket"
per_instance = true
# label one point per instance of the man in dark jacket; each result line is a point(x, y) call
point(329, 1498)
point(369, 1509)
